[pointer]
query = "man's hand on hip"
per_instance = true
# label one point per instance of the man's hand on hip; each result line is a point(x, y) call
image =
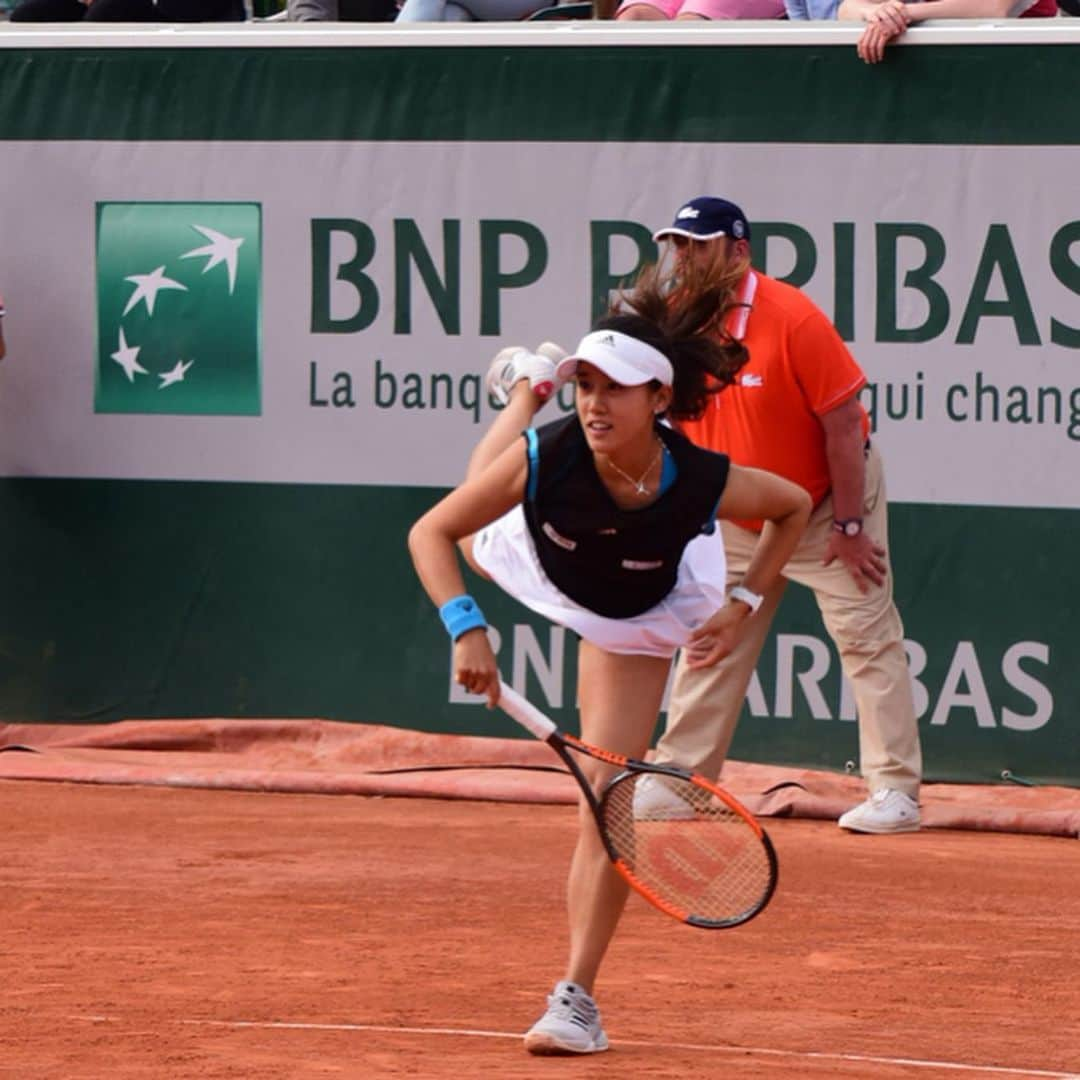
point(865, 560)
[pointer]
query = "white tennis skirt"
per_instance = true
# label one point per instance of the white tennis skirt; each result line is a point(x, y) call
point(504, 549)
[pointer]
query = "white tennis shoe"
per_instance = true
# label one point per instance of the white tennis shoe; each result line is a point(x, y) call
point(571, 1024)
point(886, 811)
point(553, 352)
point(515, 363)
point(655, 801)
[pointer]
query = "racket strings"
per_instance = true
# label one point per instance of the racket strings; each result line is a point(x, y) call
point(687, 849)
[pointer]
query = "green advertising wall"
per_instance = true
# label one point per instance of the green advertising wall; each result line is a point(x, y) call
point(253, 619)
point(421, 204)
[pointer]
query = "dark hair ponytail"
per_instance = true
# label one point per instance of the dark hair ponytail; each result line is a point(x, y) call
point(685, 321)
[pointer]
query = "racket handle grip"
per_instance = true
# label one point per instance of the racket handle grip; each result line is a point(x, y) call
point(525, 713)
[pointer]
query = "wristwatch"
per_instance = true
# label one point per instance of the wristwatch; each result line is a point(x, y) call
point(848, 526)
point(752, 600)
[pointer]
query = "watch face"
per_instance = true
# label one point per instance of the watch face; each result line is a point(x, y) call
point(852, 528)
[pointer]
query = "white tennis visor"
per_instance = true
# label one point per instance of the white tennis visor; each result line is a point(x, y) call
point(625, 359)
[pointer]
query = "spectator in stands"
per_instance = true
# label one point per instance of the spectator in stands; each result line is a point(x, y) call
point(130, 11)
point(811, 9)
point(342, 10)
point(887, 19)
point(469, 10)
point(703, 10)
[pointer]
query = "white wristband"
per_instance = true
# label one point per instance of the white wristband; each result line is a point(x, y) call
point(752, 600)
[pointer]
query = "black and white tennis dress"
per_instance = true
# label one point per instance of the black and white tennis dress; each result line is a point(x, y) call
point(629, 581)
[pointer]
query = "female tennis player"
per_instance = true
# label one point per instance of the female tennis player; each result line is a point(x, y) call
point(601, 522)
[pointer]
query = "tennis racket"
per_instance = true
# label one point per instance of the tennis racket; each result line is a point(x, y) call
point(683, 843)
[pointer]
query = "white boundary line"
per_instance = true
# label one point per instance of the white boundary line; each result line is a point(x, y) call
point(478, 1033)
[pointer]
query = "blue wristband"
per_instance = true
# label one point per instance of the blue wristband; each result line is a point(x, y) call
point(460, 615)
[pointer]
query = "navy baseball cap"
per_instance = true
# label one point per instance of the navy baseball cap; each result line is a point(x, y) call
point(705, 218)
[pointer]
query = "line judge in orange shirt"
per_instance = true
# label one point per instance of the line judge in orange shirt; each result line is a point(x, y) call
point(795, 411)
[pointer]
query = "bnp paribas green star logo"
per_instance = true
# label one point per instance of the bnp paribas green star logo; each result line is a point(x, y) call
point(178, 289)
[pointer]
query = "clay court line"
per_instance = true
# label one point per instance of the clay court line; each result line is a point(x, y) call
point(476, 1033)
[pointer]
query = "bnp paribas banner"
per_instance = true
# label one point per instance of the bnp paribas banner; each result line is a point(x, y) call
point(246, 345)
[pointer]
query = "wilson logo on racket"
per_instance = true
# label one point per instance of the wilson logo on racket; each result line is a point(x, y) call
point(692, 867)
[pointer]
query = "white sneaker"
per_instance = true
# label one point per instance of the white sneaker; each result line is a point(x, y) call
point(513, 364)
point(655, 801)
point(571, 1024)
point(886, 811)
point(555, 353)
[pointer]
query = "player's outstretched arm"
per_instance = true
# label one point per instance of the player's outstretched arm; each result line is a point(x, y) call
point(433, 545)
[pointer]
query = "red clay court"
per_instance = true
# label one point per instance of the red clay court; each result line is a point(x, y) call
point(193, 931)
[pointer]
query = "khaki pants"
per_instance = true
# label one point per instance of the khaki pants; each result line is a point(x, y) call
point(866, 628)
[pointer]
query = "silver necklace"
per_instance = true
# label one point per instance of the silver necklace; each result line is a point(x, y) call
point(639, 483)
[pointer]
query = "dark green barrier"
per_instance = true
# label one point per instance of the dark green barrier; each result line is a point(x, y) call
point(136, 599)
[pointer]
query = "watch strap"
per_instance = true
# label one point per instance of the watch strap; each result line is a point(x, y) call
point(752, 600)
point(848, 526)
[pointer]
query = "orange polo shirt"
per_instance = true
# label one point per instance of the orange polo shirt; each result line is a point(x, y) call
point(798, 369)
